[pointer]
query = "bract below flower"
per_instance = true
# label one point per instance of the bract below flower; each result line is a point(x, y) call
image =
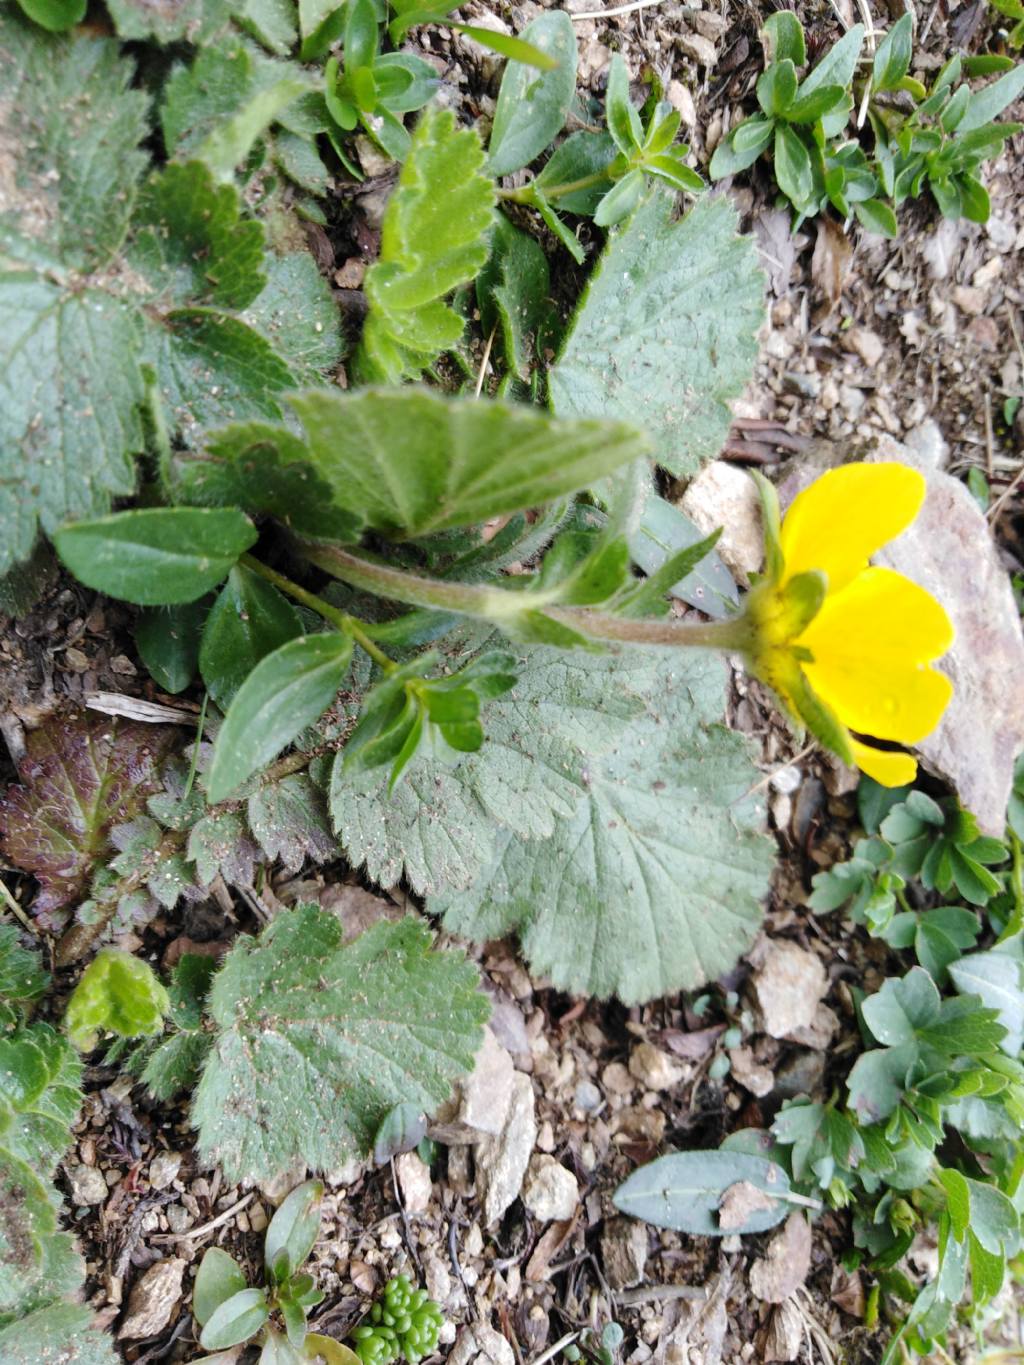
point(848, 646)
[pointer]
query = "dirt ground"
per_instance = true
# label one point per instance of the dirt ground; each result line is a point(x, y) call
point(866, 337)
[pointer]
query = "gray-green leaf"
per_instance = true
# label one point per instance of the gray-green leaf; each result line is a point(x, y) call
point(684, 1191)
point(317, 1041)
point(653, 344)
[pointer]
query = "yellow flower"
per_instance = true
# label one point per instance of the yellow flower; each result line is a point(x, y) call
point(845, 645)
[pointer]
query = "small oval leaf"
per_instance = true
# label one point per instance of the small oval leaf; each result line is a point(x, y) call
point(218, 1279)
point(235, 1320)
point(157, 556)
point(684, 1191)
point(294, 1227)
point(284, 693)
point(248, 621)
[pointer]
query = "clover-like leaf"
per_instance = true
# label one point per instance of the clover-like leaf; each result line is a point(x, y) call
point(652, 342)
point(81, 776)
point(315, 1041)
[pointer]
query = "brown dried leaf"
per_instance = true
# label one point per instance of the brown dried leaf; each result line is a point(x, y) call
point(830, 263)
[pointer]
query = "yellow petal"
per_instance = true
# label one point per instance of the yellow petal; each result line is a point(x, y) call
point(891, 770)
point(870, 644)
point(839, 522)
point(880, 613)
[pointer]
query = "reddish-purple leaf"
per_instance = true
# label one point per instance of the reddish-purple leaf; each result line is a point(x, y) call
point(81, 775)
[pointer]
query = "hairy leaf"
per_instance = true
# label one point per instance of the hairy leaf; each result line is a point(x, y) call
point(652, 884)
point(406, 463)
point(81, 776)
point(653, 343)
point(22, 979)
point(58, 1335)
point(68, 397)
point(40, 1078)
point(193, 21)
point(289, 819)
point(97, 317)
point(434, 238)
point(316, 1042)
point(248, 621)
point(512, 291)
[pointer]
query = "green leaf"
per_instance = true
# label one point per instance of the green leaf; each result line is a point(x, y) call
point(579, 157)
point(663, 532)
point(876, 216)
point(902, 1007)
point(532, 107)
point(167, 639)
point(317, 1041)
point(294, 1227)
point(61, 1334)
point(996, 978)
point(297, 315)
point(288, 690)
point(684, 1191)
point(401, 1130)
point(776, 88)
point(218, 1279)
point(513, 290)
point(623, 120)
point(409, 463)
point(55, 15)
point(988, 104)
point(838, 65)
point(632, 352)
point(433, 238)
point(235, 1320)
point(892, 56)
point(231, 142)
point(117, 993)
point(994, 1220)
point(785, 35)
point(621, 199)
point(193, 242)
point(193, 21)
point(526, 53)
point(879, 1079)
point(248, 621)
point(741, 147)
point(793, 170)
point(156, 556)
point(22, 979)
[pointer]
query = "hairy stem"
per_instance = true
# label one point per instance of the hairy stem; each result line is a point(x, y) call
point(349, 625)
point(501, 606)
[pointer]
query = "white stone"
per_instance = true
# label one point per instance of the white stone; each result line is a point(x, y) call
point(414, 1181)
point(480, 1102)
point(480, 1344)
point(682, 102)
point(163, 1169)
point(87, 1185)
point(724, 496)
point(788, 986)
point(654, 1069)
point(153, 1300)
point(501, 1161)
point(550, 1192)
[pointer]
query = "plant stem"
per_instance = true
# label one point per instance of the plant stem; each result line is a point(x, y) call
point(501, 606)
point(524, 194)
point(341, 620)
point(1016, 921)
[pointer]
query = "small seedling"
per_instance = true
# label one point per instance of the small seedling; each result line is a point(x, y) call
point(231, 1312)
